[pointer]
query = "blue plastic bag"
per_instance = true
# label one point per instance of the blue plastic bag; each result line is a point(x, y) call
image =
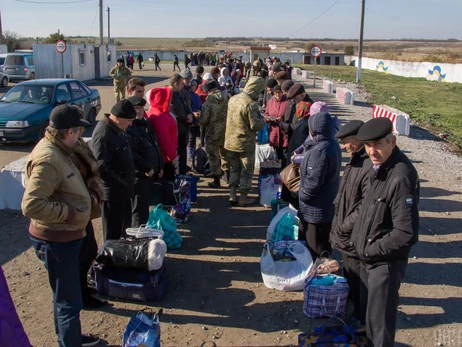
point(161, 220)
point(263, 135)
point(142, 331)
point(286, 229)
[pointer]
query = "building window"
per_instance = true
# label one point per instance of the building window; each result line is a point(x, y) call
point(82, 60)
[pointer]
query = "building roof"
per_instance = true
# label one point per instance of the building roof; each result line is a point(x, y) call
point(258, 48)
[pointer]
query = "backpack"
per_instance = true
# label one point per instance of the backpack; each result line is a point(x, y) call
point(201, 162)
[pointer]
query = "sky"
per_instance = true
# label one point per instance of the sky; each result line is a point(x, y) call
point(339, 19)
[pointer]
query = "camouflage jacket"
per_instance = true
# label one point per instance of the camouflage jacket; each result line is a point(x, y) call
point(244, 118)
point(213, 117)
point(120, 74)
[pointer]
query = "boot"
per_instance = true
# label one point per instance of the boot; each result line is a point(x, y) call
point(225, 177)
point(215, 183)
point(233, 195)
point(244, 200)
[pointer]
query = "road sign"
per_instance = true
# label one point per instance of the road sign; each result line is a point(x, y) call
point(315, 51)
point(61, 46)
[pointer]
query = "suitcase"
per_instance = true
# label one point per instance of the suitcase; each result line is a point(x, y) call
point(130, 284)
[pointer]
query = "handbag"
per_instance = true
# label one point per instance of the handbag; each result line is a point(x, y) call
point(291, 177)
point(325, 266)
point(143, 330)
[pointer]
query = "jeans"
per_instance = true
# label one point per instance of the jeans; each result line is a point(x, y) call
point(61, 259)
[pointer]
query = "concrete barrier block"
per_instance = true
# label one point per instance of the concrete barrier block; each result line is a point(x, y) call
point(328, 86)
point(306, 74)
point(345, 96)
point(296, 71)
point(401, 121)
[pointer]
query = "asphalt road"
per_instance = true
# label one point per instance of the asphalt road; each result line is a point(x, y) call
point(12, 152)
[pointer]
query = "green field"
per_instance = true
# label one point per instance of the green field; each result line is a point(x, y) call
point(436, 106)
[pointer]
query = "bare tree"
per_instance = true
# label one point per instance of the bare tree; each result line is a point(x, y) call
point(12, 40)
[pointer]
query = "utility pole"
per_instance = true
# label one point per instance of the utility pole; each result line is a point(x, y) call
point(101, 31)
point(361, 35)
point(1, 31)
point(108, 26)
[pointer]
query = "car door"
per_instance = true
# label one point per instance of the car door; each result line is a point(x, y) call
point(78, 96)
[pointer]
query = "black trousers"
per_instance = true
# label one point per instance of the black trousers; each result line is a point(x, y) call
point(116, 217)
point(158, 67)
point(193, 134)
point(183, 139)
point(87, 254)
point(352, 273)
point(178, 66)
point(316, 237)
point(380, 298)
point(169, 172)
point(141, 201)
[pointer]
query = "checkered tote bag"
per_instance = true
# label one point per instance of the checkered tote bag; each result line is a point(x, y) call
point(325, 296)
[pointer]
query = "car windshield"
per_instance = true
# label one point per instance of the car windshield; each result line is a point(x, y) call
point(33, 94)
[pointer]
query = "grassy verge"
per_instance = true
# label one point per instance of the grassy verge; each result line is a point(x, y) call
point(437, 106)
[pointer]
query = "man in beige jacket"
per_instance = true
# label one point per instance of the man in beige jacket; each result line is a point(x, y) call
point(58, 203)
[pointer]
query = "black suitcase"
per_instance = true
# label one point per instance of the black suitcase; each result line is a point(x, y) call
point(130, 284)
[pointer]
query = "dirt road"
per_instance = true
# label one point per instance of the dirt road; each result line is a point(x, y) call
point(215, 292)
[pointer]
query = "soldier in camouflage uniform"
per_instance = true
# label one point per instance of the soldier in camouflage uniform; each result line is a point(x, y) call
point(248, 68)
point(120, 73)
point(213, 119)
point(243, 122)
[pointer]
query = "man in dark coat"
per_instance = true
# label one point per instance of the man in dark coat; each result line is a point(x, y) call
point(319, 182)
point(148, 161)
point(386, 229)
point(112, 150)
point(347, 204)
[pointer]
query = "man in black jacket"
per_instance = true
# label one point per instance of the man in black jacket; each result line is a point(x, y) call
point(113, 153)
point(347, 203)
point(148, 161)
point(386, 228)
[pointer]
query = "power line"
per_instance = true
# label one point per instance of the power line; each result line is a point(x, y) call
point(303, 27)
point(53, 2)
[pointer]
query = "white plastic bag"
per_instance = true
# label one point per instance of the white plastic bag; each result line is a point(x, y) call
point(286, 275)
point(274, 222)
point(263, 152)
point(269, 188)
point(144, 231)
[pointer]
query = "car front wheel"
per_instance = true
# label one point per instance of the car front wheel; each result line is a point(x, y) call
point(4, 82)
point(91, 116)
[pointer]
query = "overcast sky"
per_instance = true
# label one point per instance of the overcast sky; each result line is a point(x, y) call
point(385, 19)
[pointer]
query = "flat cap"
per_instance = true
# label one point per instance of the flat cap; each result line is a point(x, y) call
point(186, 74)
point(286, 85)
point(275, 88)
point(137, 100)
point(209, 85)
point(295, 90)
point(349, 129)
point(281, 75)
point(375, 129)
point(124, 109)
point(271, 83)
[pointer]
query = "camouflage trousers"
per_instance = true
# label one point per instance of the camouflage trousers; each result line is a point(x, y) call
point(119, 92)
point(241, 167)
point(218, 158)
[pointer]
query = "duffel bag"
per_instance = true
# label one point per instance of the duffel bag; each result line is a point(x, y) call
point(164, 192)
point(129, 283)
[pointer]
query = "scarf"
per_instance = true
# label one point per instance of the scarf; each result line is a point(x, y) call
point(302, 109)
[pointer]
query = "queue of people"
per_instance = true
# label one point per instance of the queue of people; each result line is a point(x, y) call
point(370, 214)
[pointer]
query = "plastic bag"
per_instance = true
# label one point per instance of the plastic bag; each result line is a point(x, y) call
point(262, 153)
point(143, 231)
point(160, 219)
point(141, 254)
point(269, 188)
point(142, 330)
point(286, 229)
point(181, 211)
point(277, 218)
point(285, 274)
point(263, 135)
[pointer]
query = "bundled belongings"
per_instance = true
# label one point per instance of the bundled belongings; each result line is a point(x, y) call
point(342, 335)
point(277, 218)
point(143, 330)
point(160, 219)
point(284, 265)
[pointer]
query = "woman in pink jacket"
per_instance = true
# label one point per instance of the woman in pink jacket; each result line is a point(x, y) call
point(164, 124)
point(274, 114)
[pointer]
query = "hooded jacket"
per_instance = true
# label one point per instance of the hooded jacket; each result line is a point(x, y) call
point(348, 201)
point(319, 173)
point(276, 109)
point(213, 117)
point(222, 80)
point(244, 119)
point(163, 122)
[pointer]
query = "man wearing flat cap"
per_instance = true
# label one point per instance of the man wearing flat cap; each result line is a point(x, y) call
point(58, 202)
point(347, 203)
point(119, 74)
point(148, 161)
point(111, 147)
point(386, 228)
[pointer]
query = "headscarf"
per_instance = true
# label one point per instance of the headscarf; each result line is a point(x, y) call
point(302, 110)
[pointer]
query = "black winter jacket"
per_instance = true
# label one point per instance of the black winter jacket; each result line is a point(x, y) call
point(347, 203)
point(180, 109)
point(146, 152)
point(388, 221)
point(114, 156)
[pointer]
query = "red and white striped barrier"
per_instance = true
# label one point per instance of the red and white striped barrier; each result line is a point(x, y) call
point(345, 96)
point(401, 121)
point(328, 86)
point(296, 71)
point(306, 74)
